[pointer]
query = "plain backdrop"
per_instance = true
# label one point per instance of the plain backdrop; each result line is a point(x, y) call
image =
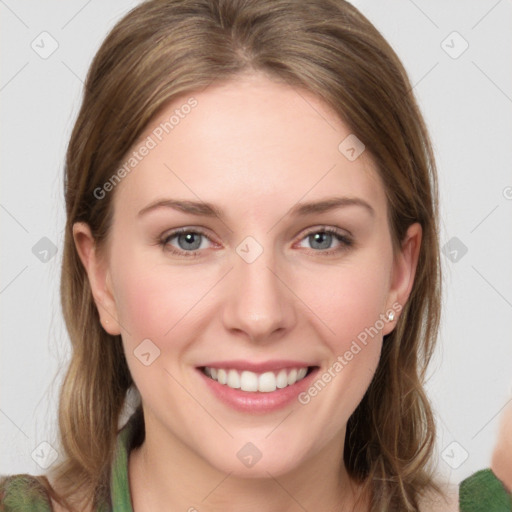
point(458, 57)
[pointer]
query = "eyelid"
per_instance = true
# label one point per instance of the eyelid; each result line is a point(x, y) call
point(325, 227)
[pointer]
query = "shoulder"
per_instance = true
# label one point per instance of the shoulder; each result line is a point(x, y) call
point(23, 493)
point(484, 491)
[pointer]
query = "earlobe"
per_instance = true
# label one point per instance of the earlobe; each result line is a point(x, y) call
point(98, 275)
point(404, 271)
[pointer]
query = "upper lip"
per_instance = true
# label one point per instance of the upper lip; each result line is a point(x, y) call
point(266, 366)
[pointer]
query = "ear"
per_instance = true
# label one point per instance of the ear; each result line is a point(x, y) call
point(98, 275)
point(404, 270)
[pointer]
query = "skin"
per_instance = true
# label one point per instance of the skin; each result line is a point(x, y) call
point(254, 148)
point(501, 463)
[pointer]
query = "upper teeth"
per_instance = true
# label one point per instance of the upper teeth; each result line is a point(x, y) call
point(250, 381)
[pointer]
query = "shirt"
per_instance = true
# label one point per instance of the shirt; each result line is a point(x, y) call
point(480, 492)
point(23, 493)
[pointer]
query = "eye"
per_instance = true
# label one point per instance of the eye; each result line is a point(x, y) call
point(322, 237)
point(189, 242)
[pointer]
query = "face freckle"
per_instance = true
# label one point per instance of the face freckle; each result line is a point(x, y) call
point(261, 287)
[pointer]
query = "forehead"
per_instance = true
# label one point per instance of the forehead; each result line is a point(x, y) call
point(249, 142)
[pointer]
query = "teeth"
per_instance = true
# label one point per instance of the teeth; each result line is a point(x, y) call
point(222, 376)
point(249, 381)
point(282, 379)
point(292, 377)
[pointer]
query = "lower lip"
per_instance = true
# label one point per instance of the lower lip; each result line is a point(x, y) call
point(257, 401)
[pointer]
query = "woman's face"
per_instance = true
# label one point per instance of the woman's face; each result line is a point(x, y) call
point(257, 289)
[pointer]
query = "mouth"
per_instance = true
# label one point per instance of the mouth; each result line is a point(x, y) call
point(253, 387)
point(253, 381)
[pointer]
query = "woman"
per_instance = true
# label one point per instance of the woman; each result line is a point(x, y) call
point(269, 373)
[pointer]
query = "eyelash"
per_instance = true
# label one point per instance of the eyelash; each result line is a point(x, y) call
point(346, 241)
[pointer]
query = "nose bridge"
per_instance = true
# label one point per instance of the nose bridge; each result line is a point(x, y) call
point(260, 303)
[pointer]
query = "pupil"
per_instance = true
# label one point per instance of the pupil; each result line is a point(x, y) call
point(189, 237)
point(323, 239)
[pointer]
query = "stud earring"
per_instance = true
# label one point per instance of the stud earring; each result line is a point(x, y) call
point(391, 316)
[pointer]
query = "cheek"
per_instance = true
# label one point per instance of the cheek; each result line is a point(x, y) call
point(155, 302)
point(350, 306)
point(152, 299)
point(350, 298)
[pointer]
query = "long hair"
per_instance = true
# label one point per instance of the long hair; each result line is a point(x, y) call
point(165, 48)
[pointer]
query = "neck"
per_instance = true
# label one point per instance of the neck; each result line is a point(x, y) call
point(167, 475)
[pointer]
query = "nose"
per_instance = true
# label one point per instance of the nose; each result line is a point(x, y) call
point(260, 305)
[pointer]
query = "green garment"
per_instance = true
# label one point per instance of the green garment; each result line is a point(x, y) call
point(23, 493)
point(481, 492)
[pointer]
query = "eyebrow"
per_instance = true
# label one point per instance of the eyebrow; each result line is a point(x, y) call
point(201, 208)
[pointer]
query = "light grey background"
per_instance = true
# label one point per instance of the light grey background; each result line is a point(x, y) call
point(467, 103)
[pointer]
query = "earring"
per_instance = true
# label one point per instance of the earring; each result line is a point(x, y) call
point(391, 316)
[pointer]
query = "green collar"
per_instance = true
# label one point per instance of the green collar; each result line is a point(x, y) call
point(119, 483)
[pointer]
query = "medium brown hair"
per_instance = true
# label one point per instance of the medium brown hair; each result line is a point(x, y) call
point(165, 48)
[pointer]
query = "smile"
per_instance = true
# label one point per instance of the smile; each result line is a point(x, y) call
point(249, 381)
